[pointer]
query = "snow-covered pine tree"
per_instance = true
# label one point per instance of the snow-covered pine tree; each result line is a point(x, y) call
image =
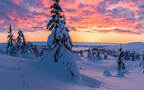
point(142, 62)
point(88, 53)
point(59, 40)
point(10, 47)
point(121, 65)
point(20, 46)
point(98, 55)
point(91, 55)
point(21, 42)
point(59, 36)
point(133, 56)
point(81, 53)
point(1, 52)
point(126, 55)
point(105, 56)
point(23, 49)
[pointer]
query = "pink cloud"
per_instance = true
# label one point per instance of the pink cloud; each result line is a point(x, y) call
point(81, 14)
point(18, 2)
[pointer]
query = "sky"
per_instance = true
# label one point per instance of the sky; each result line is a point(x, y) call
point(111, 21)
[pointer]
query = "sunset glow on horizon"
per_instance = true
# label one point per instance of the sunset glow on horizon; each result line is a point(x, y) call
point(110, 21)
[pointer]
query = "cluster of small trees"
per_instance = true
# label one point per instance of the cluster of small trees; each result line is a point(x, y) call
point(14, 45)
point(18, 46)
point(121, 55)
point(125, 56)
point(94, 55)
point(131, 56)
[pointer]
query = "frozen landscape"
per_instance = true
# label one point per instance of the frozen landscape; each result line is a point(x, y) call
point(17, 73)
point(62, 64)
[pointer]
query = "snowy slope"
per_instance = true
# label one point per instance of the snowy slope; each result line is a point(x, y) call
point(24, 74)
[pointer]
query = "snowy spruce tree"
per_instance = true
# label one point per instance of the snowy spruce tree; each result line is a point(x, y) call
point(23, 49)
point(142, 62)
point(59, 41)
point(21, 46)
point(91, 55)
point(21, 42)
point(105, 56)
point(98, 57)
point(10, 50)
point(121, 65)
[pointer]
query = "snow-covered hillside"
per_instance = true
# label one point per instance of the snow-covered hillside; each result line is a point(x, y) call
point(25, 74)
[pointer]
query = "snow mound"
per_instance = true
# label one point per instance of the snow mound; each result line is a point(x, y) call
point(107, 73)
point(65, 67)
point(90, 82)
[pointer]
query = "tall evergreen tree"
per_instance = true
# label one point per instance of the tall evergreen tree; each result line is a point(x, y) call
point(59, 40)
point(121, 65)
point(10, 46)
point(59, 36)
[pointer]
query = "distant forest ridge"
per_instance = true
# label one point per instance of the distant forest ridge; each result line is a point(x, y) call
point(83, 43)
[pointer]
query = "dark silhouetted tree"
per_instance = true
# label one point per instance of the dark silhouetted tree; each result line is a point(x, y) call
point(21, 42)
point(121, 65)
point(10, 47)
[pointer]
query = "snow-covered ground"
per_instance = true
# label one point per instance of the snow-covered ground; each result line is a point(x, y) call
point(26, 74)
point(133, 80)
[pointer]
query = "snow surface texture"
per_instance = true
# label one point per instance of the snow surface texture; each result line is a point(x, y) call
point(27, 74)
point(24, 74)
point(66, 63)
